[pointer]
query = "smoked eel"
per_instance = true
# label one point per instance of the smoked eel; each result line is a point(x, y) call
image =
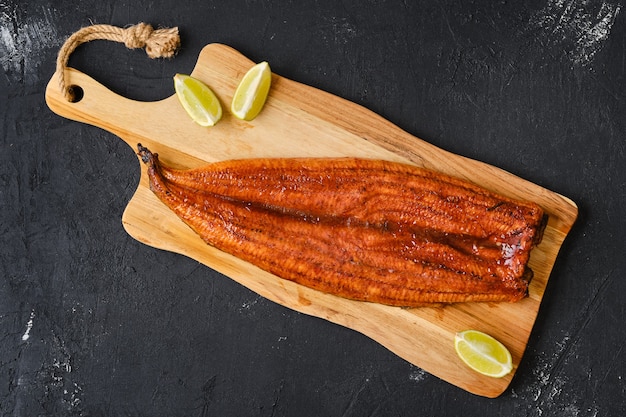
point(367, 230)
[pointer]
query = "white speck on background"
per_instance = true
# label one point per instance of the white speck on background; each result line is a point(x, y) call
point(552, 389)
point(29, 326)
point(64, 366)
point(579, 27)
point(341, 29)
point(74, 395)
point(58, 374)
point(247, 304)
point(22, 43)
point(571, 410)
point(417, 375)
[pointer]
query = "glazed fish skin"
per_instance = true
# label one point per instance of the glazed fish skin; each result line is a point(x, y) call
point(335, 187)
point(345, 226)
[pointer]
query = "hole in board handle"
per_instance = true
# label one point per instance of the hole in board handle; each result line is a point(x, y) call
point(76, 93)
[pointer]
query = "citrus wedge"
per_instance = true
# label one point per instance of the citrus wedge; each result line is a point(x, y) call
point(198, 100)
point(252, 92)
point(483, 353)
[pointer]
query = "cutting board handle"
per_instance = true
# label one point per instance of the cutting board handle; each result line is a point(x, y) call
point(72, 94)
point(98, 106)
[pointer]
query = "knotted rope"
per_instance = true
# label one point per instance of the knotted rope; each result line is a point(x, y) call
point(159, 43)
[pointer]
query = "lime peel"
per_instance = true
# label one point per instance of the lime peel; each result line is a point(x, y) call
point(198, 100)
point(252, 91)
point(483, 353)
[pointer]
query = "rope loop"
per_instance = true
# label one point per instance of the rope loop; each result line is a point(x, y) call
point(159, 43)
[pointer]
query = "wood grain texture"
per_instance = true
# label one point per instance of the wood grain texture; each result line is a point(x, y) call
point(301, 121)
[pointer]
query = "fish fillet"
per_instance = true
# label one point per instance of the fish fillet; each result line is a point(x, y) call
point(367, 230)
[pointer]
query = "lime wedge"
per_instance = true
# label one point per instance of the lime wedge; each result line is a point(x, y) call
point(198, 100)
point(252, 92)
point(483, 353)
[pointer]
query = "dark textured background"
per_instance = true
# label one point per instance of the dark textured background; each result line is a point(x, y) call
point(93, 323)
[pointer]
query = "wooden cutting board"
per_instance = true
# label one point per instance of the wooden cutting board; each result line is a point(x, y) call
point(301, 121)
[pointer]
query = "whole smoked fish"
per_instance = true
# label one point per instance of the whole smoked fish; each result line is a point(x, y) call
point(367, 230)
